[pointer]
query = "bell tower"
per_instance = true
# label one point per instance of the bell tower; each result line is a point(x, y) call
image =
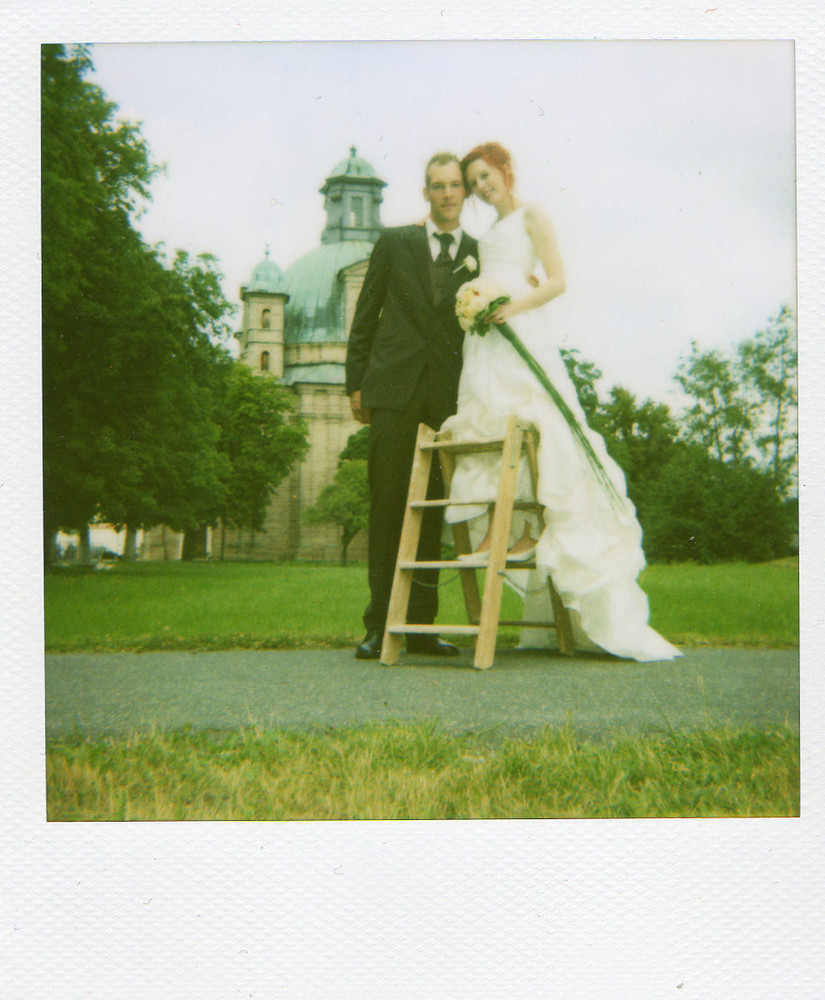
point(352, 200)
point(262, 332)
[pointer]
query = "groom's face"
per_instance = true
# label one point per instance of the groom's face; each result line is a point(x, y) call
point(445, 193)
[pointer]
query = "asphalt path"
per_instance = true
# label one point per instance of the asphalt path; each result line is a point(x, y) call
point(98, 693)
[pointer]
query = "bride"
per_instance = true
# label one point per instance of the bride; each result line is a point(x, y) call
point(590, 543)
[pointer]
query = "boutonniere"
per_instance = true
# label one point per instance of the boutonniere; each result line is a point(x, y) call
point(469, 262)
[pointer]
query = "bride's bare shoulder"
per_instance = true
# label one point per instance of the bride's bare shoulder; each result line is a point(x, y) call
point(537, 221)
point(535, 213)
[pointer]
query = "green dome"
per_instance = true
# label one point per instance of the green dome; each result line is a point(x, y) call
point(267, 277)
point(312, 313)
point(355, 166)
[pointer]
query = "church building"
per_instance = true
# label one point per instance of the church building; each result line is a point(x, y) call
point(295, 327)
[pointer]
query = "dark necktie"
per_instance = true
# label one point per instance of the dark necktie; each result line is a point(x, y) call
point(442, 266)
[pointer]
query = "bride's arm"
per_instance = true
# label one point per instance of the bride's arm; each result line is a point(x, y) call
point(541, 232)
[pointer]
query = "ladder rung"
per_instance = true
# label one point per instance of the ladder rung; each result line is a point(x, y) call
point(461, 629)
point(445, 564)
point(505, 621)
point(465, 564)
point(517, 505)
point(460, 447)
point(433, 629)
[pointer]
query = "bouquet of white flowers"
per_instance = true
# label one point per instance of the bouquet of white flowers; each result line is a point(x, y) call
point(476, 301)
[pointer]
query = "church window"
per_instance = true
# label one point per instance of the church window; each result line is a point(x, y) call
point(264, 361)
point(265, 319)
point(357, 211)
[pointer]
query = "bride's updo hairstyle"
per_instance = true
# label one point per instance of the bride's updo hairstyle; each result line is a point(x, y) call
point(496, 156)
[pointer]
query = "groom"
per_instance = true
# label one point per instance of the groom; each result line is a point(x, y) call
point(403, 365)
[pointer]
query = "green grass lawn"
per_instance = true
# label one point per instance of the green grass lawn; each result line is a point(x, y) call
point(395, 771)
point(152, 606)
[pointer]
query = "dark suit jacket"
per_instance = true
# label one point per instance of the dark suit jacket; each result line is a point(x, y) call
point(398, 332)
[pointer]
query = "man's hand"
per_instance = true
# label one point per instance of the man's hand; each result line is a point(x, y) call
point(361, 413)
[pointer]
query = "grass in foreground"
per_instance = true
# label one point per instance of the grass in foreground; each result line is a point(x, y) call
point(155, 606)
point(395, 771)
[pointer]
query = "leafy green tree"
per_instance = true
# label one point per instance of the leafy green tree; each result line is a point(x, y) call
point(705, 510)
point(95, 172)
point(768, 365)
point(641, 438)
point(159, 409)
point(260, 441)
point(133, 362)
point(744, 414)
point(357, 446)
point(722, 414)
point(345, 501)
point(584, 375)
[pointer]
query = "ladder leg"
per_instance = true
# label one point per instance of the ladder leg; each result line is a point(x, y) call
point(499, 538)
point(561, 616)
point(407, 546)
point(567, 644)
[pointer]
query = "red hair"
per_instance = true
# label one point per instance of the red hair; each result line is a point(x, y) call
point(495, 155)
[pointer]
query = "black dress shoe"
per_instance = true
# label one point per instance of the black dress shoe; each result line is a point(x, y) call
point(430, 645)
point(370, 648)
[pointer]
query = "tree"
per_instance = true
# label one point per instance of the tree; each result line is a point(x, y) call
point(721, 416)
point(260, 441)
point(159, 400)
point(95, 172)
point(357, 446)
point(768, 365)
point(744, 415)
point(641, 438)
point(183, 458)
point(710, 511)
point(133, 357)
point(345, 501)
point(584, 375)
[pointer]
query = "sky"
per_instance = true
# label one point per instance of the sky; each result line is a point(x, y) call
point(667, 167)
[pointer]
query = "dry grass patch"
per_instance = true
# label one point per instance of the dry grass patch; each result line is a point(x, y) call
point(394, 771)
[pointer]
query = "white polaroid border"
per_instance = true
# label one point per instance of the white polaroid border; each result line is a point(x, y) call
point(696, 910)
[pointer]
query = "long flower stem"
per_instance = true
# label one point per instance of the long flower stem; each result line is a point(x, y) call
point(578, 434)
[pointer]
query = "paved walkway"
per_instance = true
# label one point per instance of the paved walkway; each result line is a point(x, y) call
point(122, 692)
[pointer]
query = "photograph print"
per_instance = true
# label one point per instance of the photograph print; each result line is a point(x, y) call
point(378, 373)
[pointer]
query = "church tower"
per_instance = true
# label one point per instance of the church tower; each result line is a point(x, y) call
point(262, 332)
point(352, 199)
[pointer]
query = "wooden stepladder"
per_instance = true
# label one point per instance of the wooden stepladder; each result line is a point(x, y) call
point(482, 610)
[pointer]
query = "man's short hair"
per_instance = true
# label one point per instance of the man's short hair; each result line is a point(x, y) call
point(439, 160)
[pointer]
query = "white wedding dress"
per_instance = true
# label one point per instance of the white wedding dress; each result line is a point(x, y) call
point(591, 543)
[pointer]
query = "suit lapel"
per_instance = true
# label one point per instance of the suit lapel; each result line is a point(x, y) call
point(420, 249)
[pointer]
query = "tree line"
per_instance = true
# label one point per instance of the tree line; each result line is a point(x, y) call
point(146, 417)
point(718, 481)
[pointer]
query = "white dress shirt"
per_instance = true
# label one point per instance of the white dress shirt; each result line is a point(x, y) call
point(435, 245)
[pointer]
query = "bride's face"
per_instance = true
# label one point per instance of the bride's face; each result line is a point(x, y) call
point(489, 183)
